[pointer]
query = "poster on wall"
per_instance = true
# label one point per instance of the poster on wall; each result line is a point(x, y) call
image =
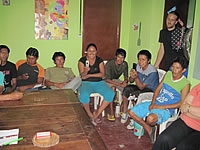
point(51, 19)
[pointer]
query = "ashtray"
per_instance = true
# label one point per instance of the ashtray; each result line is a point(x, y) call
point(46, 141)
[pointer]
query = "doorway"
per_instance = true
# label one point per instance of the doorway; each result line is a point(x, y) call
point(101, 25)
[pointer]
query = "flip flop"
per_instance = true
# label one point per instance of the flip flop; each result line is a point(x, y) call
point(95, 121)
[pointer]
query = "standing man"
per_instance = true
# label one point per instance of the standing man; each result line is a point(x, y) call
point(29, 72)
point(114, 69)
point(170, 41)
point(8, 69)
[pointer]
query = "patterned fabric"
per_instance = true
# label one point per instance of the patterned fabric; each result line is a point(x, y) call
point(10, 72)
point(169, 52)
point(177, 38)
point(171, 90)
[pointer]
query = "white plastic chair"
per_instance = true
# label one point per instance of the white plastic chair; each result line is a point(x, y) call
point(144, 97)
point(98, 99)
point(147, 96)
point(167, 123)
point(161, 74)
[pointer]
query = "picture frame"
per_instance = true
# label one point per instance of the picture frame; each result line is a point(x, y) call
point(6, 2)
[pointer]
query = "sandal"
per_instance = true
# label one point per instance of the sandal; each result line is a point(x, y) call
point(95, 121)
point(111, 117)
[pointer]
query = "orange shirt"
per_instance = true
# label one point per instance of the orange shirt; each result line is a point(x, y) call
point(193, 123)
point(40, 68)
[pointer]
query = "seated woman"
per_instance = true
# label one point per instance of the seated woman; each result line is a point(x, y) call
point(60, 77)
point(184, 133)
point(91, 69)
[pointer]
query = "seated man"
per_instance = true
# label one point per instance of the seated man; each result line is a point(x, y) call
point(169, 95)
point(29, 72)
point(60, 77)
point(10, 96)
point(145, 77)
point(184, 133)
point(114, 69)
point(9, 70)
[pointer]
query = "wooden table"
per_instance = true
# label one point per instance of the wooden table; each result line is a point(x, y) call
point(58, 111)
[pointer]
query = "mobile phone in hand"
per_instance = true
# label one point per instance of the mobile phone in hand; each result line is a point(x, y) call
point(87, 63)
point(134, 66)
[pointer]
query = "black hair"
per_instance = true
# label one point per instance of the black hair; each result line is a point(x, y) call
point(89, 45)
point(175, 13)
point(144, 52)
point(120, 51)
point(4, 46)
point(56, 54)
point(182, 61)
point(32, 52)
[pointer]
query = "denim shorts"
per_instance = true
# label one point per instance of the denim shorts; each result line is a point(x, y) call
point(100, 87)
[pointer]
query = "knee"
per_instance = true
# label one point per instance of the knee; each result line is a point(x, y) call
point(126, 92)
point(152, 119)
point(113, 88)
point(131, 114)
point(162, 141)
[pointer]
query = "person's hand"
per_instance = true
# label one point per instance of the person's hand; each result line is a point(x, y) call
point(60, 85)
point(86, 69)
point(85, 77)
point(123, 84)
point(185, 108)
point(16, 95)
point(133, 74)
point(84, 74)
point(151, 106)
point(180, 22)
point(25, 76)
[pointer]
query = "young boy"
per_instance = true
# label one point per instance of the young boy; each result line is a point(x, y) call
point(114, 69)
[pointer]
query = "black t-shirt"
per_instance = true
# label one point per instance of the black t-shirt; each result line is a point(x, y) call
point(10, 72)
point(32, 72)
point(93, 69)
point(172, 45)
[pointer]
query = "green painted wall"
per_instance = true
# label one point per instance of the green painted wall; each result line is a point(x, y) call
point(195, 41)
point(150, 14)
point(17, 31)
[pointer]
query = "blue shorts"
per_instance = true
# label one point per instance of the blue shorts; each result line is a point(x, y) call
point(100, 87)
point(142, 111)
